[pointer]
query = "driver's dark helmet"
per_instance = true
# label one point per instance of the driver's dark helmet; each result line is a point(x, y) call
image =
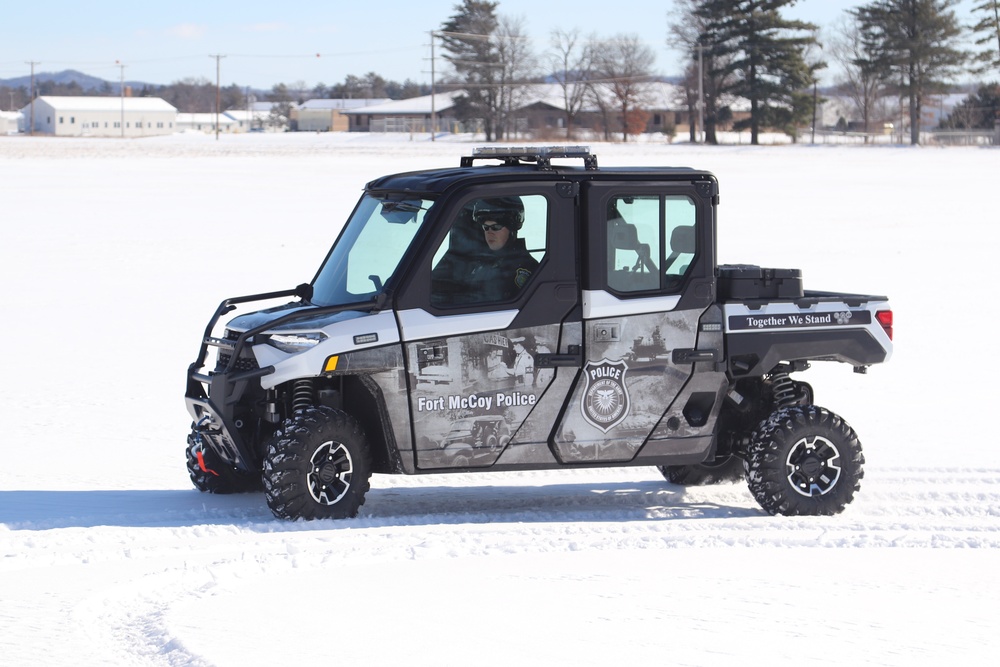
point(506, 211)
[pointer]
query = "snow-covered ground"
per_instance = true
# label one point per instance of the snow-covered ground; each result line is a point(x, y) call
point(115, 253)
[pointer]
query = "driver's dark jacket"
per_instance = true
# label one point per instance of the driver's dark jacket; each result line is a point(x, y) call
point(487, 276)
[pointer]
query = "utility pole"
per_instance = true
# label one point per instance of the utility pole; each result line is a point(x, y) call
point(218, 94)
point(121, 92)
point(433, 110)
point(815, 109)
point(901, 85)
point(701, 96)
point(31, 113)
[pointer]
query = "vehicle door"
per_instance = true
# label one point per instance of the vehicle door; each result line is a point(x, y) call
point(648, 284)
point(491, 338)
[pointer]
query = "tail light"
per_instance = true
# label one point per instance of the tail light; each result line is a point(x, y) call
point(884, 318)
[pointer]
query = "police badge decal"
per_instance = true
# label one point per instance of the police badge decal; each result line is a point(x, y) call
point(605, 402)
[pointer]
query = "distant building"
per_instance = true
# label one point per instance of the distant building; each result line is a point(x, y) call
point(409, 115)
point(248, 121)
point(886, 114)
point(10, 122)
point(326, 115)
point(205, 122)
point(261, 117)
point(101, 116)
point(538, 110)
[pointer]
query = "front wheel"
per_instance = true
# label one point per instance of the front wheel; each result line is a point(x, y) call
point(317, 466)
point(210, 475)
point(804, 460)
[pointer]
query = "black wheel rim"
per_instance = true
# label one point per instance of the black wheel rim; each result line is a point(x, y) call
point(330, 476)
point(813, 466)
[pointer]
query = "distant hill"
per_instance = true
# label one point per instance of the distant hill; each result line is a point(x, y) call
point(66, 77)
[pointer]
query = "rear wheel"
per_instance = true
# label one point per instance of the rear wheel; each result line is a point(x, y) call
point(804, 461)
point(210, 475)
point(317, 466)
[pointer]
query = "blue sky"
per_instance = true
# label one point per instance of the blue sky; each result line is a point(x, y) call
point(265, 43)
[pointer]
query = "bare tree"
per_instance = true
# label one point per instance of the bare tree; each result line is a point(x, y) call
point(281, 105)
point(572, 63)
point(300, 90)
point(189, 95)
point(862, 81)
point(516, 65)
point(687, 29)
point(691, 100)
point(625, 66)
point(13, 97)
point(684, 28)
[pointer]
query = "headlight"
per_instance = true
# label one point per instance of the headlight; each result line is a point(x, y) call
point(297, 342)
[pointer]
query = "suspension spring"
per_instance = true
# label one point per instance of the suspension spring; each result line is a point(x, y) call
point(783, 390)
point(303, 395)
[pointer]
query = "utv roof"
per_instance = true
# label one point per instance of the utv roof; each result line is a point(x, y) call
point(526, 163)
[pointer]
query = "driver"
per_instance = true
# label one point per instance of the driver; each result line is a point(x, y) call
point(506, 267)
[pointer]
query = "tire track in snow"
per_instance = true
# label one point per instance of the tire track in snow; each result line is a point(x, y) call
point(134, 569)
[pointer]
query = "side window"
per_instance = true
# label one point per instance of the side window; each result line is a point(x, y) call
point(492, 251)
point(679, 233)
point(651, 242)
point(633, 243)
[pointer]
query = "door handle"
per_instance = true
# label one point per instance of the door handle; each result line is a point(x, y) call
point(553, 360)
point(549, 360)
point(689, 356)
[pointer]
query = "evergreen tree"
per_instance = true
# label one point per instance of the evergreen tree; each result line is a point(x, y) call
point(466, 38)
point(760, 54)
point(916, 43)
point(987, 29)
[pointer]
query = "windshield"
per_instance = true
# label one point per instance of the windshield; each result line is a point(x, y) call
point(370, 249)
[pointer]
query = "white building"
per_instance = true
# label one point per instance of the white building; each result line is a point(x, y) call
point(10, 122)
point(261, 117)
point(247, 121)
point(102, 116)
point(205, 122)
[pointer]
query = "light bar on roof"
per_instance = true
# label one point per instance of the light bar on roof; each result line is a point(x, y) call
point(529, 152)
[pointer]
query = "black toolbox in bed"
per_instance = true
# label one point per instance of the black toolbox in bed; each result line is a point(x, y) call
point(738, 282)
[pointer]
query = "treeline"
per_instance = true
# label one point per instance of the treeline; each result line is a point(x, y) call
point(910, 50)
point(746, 50)
point(17, 97)
point(200, 95)
point(979, 111)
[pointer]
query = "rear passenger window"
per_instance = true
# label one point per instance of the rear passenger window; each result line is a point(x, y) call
point(651, 242)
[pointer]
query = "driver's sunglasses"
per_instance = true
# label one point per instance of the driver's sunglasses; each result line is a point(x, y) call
point(492, 228)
